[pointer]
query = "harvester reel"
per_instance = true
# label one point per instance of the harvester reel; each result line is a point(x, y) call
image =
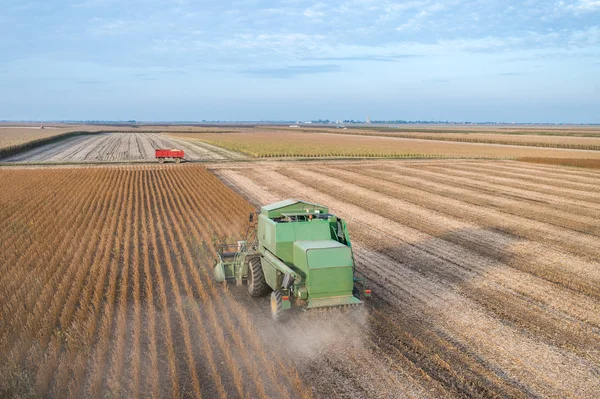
point(257, 286)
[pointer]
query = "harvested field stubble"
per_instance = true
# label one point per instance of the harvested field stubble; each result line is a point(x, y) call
point(116, 147)
point(486, 274)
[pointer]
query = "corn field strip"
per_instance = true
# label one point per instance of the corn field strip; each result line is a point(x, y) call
point(497, 138)
point(277, 143)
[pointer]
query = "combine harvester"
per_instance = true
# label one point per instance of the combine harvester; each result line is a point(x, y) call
point(297, 249)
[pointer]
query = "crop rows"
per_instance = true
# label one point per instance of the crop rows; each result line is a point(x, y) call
point(486, 274)
point(308, 144)
point(516, 130)
point(568, 142)
point(106, 288)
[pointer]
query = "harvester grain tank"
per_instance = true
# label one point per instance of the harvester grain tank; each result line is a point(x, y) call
point(294, 249)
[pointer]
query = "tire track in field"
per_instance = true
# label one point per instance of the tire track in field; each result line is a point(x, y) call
point(522, 219)
point(579, 195)
point(356, 382)
point(388, 230)
point(563, 183)
point(508, 205)
point(563, 170)
point(496, 243)
point(489, 242)
point(485, 186)
point(304, 190)
point(579, 182)
point(298, 188)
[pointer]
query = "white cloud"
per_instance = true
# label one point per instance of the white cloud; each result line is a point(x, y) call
point(587, 5)
point(415, 23)
point(315, 12)
point(92, 3)
point(579, 6)
point(278, 42)
point(590, 36)
point(310, 13)
point(114, 27)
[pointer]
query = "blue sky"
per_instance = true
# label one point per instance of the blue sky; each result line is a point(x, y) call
point(479, 60)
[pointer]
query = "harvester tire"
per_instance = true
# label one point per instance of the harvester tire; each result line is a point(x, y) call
point(277, 312)
point(177, 160)
point(161, 160)
point(257, 286)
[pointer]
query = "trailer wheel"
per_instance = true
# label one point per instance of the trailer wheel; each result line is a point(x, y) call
point(257, 286)
point(161, 160)
point(177, 160)
point(277, 312)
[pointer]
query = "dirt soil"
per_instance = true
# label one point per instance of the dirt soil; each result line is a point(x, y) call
point(485, 274)
point(119, 147)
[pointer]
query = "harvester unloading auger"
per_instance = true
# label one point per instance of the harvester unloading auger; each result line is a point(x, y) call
point(295, 249)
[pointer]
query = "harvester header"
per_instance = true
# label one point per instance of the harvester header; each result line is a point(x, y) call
point(295, 249)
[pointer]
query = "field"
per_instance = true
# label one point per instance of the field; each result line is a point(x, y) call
point(122, 143)
point(17, 138)
point(511, 129)
point(528, 140)
point(290, 143)
point(486, 274)
point(117, 147)
point(107, 290)
point(14, 137)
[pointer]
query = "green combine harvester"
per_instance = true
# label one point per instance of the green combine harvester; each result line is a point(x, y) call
point(295, 249)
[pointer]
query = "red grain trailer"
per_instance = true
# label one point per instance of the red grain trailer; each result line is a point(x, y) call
point(162, 153)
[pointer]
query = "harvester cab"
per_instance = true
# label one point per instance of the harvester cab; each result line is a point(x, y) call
point(294, 249)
